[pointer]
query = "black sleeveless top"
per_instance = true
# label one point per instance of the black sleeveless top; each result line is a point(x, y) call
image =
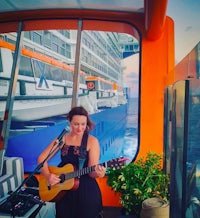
point(85, 201)
point(75, 155)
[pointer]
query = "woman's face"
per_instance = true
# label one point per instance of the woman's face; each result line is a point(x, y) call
point(78, 124)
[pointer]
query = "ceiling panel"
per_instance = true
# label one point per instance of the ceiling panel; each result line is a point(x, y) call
point(113, 5)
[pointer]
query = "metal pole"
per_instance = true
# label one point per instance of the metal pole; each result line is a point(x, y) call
point(77, 66)
point(12, 89)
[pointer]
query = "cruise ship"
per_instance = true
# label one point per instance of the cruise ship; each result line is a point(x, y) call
point(49, 82)
point(47, 71)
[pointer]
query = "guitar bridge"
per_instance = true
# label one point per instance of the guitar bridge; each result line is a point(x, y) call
point(49, 187)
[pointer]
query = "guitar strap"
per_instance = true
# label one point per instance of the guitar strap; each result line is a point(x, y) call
point(83, 150)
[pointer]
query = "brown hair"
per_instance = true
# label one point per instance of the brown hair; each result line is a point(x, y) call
point(81, 111)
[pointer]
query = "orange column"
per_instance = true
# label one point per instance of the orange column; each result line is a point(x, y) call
point(157, 63)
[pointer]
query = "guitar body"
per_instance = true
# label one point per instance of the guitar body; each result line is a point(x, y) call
point(69, 179)
point(55, 192)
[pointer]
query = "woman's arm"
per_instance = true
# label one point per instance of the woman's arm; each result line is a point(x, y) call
point(94, 156)
point(51, 178)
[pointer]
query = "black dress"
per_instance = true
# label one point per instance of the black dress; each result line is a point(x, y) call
point(86, 201)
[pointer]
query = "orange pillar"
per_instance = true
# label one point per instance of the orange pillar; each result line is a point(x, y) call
point(156, 74)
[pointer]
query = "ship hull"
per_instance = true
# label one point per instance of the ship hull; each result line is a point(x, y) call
point(109, 129)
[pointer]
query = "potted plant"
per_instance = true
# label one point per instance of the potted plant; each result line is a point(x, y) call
point(138, 181)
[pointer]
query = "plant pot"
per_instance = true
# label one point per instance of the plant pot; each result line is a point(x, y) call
point(154, 208)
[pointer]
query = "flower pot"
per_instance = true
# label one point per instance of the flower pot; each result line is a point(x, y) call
point(154, 208)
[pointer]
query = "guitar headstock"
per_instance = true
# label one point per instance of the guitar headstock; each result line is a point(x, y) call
point(117, 162)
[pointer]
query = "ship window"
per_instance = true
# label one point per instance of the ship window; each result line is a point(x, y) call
point(25, 67)
point(65, 33)
point(55, 47)
point(68, 51)
point(37, 38)
point(11, 41)
point(47, 39)
point(131, 47)
point(108, 87)
point(27, 35)
point(62, 51)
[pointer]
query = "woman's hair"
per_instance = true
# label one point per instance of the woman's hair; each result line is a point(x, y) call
point(81, 111)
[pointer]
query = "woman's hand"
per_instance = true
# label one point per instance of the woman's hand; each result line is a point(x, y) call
point(53, 179)
point(100, 171)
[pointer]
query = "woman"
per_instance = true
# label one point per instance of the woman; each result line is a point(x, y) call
point(82, 150)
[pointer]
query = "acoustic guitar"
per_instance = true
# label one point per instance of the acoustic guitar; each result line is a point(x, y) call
point(69, 177)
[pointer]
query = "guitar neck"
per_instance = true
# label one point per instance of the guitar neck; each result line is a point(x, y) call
point(83, 171)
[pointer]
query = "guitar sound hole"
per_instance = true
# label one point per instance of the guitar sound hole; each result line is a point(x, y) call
point(62, 178)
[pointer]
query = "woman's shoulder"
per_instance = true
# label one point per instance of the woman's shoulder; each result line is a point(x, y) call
point(92, 139)
point(93, 144)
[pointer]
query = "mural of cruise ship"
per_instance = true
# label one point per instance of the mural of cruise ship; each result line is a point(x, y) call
point(46, 72)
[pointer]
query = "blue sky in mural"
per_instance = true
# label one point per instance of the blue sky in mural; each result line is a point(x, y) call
point(186, 15)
